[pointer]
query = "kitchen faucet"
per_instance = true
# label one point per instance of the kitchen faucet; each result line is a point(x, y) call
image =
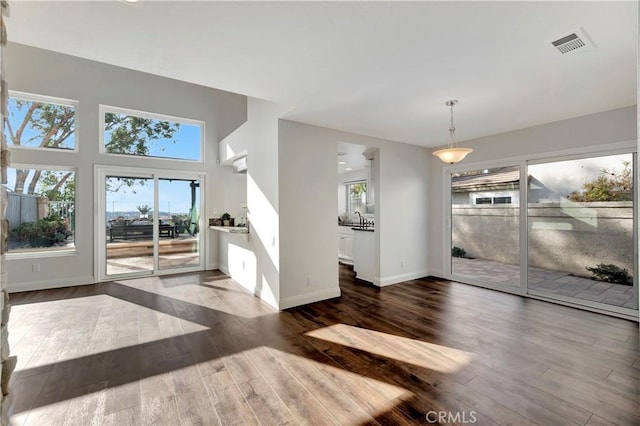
point(358, 213)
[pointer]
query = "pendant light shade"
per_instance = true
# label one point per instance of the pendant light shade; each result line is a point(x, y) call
point(452, 153)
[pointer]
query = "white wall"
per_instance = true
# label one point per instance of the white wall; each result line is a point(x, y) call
point(308, 204)
point(577, 134)
point(253, 261)
point(290, 187)
point(403, 220)
point(91, 83)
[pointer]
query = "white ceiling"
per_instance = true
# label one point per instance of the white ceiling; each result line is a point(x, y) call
point(351, 155)
point(377, 68)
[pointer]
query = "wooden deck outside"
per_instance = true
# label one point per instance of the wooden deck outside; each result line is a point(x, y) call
point(145, 247)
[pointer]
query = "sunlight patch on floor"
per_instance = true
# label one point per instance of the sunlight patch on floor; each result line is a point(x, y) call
point(379, 396)
point(422, 354)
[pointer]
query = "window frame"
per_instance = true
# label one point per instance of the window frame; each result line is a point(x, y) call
point(623, 147)
point(25, 96)
point(40, 252)
point(104, 109)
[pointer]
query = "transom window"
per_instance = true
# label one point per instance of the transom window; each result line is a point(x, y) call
point(40, 122)
point(144, 134)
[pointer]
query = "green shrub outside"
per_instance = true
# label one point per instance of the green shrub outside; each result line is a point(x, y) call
point(611, 273)
point(43, 233)
point(458, 252)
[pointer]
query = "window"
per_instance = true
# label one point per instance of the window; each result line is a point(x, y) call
point(40, 122)
point(40, 209)
point(357, 196)
point(151, 135)
point(493, 200)
point(501, 200)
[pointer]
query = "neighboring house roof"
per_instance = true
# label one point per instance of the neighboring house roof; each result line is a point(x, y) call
point(498, 179)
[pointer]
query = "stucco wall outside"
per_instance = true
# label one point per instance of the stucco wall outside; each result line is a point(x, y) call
point(564, 237)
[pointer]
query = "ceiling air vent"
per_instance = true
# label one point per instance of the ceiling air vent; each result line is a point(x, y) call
point(577, 41)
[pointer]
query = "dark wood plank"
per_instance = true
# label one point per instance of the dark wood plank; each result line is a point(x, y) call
point(198, 349)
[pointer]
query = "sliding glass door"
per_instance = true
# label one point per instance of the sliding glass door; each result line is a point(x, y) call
point(150, 222)
point(571, 239)
point(485, 226)
point(129, 242)
point(581, 231)
point(179, 219)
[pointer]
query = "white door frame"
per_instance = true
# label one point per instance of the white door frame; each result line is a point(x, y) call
point(100, 174)
point(523, 162)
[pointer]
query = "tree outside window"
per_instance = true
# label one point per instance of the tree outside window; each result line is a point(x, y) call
point(357, 197)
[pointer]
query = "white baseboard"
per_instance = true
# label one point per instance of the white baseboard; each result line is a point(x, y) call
point(265, 298)
point(305, 299)
point(395, 279)
point(436, 273)
point(211, 267)
point(47, 284)
point(375, 280)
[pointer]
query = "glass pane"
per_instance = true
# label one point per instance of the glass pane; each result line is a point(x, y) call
point(357, 197)
point(485, 226)
point(581, 229)
point(132, 135)
point(179, 215)
point(40, 209)
point(35, 124)
point(129, 219)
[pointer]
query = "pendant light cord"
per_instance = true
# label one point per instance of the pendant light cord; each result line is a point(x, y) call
point(452, 127)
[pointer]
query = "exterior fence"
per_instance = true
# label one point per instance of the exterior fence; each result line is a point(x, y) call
point(563, 236)
point(64, 209)
point(22, 208)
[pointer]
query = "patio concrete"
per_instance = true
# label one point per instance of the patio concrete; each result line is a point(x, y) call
point(554, 282)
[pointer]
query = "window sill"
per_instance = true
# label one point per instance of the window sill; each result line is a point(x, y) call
point(40, 254)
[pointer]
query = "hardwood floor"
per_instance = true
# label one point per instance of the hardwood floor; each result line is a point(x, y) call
point(198, 349)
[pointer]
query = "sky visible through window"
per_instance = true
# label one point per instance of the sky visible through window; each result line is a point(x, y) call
point(184, 143)
point(175, 196)
point(31, 135)
point(563, 177)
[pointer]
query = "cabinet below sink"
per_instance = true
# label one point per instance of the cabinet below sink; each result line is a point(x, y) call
point(345, 245)
point(365, 256)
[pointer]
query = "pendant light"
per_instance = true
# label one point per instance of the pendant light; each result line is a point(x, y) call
point(452, 153)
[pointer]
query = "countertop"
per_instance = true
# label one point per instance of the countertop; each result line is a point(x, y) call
point(365, 229)
point(357, 227)
point(231, 229)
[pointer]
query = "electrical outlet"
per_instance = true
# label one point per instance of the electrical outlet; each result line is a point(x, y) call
point(35, 267)
point(402, 263)
point(309, 281)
